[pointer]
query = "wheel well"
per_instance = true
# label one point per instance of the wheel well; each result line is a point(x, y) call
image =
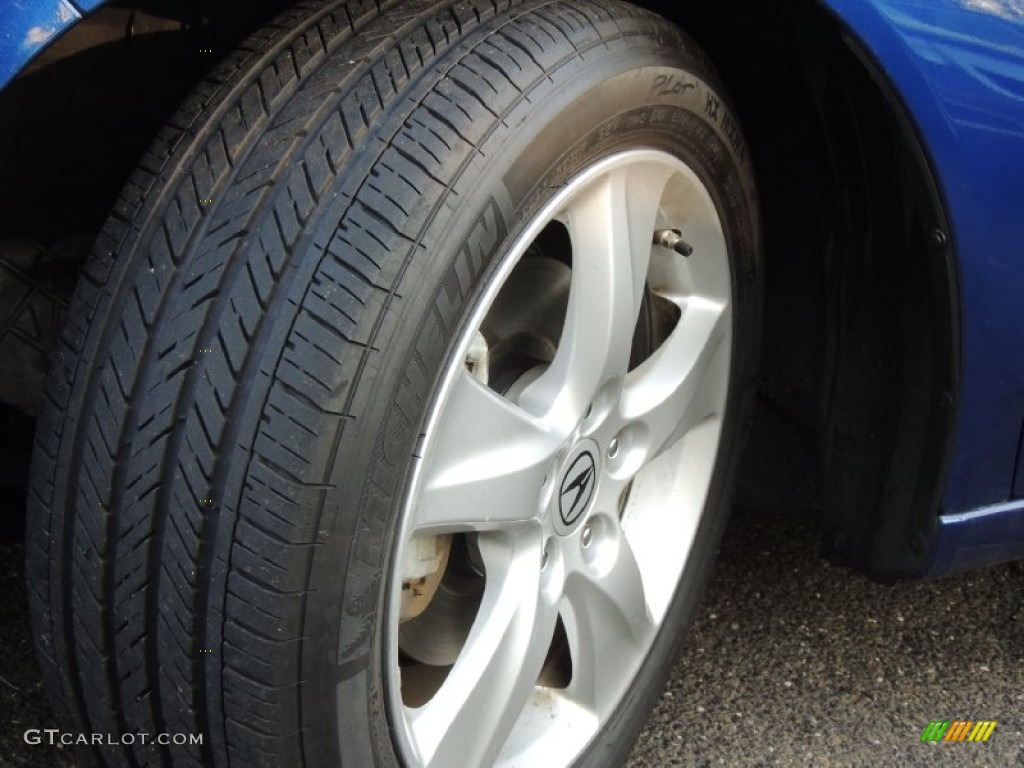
point(857, 393)
point(860, 339)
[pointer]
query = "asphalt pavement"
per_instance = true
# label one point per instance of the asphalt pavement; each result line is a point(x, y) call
point(791, 662)
point(794, 662)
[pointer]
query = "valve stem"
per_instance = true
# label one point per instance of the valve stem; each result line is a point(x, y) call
point(673, 240)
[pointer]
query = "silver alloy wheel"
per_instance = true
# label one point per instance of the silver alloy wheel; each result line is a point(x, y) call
point(581, 487)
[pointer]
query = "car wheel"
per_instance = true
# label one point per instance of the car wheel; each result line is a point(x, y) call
point(394, 418)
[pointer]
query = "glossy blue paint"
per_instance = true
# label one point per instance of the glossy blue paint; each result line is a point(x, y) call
point(1018, 483)
point(87, 6)
point(979, 538)
point(27, 27)
point(959, 66)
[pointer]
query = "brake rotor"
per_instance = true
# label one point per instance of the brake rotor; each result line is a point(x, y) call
point(437, 633)
point(524, 326)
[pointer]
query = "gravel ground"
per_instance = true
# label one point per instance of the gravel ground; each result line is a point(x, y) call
point(791, 662)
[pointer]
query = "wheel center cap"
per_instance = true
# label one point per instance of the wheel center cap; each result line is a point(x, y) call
point(576, 487)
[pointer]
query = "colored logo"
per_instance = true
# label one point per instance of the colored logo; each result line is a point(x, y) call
point(958, 730)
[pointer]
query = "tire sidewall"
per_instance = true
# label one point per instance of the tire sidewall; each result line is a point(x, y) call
point(651, 92)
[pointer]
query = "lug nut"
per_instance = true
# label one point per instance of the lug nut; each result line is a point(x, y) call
point(587, 537)
point(544, 557)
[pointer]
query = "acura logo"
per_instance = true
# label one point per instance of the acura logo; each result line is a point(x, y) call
point(577, 489)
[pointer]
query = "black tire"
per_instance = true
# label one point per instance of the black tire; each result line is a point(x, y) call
point(240, 385)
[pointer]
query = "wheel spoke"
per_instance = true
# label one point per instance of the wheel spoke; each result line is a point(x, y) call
point(609, 625)
point(611, 225)
point(487, 463)
point(663, 394)
point(570, 608)
point(469, 719)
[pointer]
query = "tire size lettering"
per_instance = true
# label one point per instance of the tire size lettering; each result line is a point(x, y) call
point(721, 117)
point(713, 108)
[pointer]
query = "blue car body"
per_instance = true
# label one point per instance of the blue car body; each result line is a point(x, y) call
point(957, 66)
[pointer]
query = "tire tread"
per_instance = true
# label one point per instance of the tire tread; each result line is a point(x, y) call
point(175, 510)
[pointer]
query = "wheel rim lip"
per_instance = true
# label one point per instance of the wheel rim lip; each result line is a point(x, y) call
point(397, 711)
